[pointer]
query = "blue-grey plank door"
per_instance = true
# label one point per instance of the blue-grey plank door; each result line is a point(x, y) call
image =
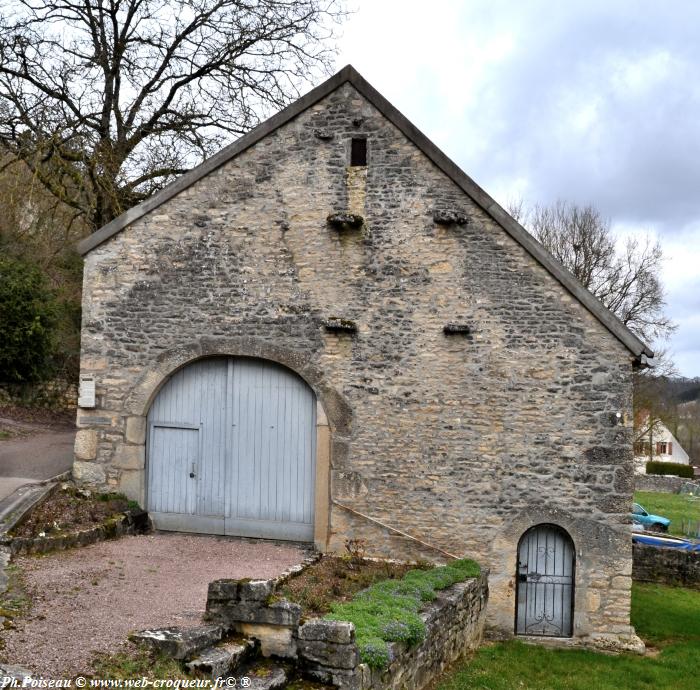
point(231, 449)
point(194, 495)
point(170, 489)
point(270, 488)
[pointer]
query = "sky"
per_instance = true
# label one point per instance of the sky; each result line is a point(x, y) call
point(583, 101)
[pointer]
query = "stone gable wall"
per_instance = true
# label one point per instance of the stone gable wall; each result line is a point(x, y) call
point(462, 441)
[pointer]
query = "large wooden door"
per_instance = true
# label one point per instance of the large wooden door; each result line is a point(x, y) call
point(546, 561)
point(232, 449)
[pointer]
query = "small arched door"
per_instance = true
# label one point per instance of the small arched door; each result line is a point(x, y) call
point(232, 449)
point(545, 592)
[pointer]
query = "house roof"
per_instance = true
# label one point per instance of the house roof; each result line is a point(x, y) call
point(458, 176)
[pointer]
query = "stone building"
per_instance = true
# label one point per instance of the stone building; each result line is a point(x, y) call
point(328, 331)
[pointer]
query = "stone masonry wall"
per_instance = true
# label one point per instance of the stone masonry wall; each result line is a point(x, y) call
point(666, 566)
point(664, 483)
point(464, 440)
point(326, 651)
point(55, 394)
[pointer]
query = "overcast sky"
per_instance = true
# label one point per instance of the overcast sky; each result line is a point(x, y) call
point(587, 101)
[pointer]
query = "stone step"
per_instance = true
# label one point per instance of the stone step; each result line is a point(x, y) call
point(222, 660)
point(265, 676)
point(179, 643)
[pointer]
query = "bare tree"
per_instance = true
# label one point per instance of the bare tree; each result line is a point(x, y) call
point(624, 276)
point(107, 100)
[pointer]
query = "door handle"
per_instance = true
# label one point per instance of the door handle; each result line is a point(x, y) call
point(192, 473)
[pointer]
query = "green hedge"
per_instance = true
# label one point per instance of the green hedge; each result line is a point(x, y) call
point(388, 610)
point(674, 468)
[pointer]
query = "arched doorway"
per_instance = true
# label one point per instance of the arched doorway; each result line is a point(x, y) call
point(545, 590)
point(231, 449)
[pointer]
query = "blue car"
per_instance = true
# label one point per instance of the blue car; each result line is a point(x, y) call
point(651, 523)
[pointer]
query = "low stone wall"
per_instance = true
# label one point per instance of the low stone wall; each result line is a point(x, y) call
point(662, 483)
point(249, 607)
point(454, 625)
point(55, 395)
point(130, 523)
point(326, 651)
point(666, 566)
point(246, 607)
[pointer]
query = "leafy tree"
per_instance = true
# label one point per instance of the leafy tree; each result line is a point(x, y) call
point(107, 100)
point(37, 229)
point(28, 318)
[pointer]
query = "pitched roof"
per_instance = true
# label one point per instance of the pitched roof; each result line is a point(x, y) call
point(459, 177)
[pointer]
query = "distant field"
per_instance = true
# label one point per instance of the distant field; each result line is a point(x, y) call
point(675, 507)
point(666, 618)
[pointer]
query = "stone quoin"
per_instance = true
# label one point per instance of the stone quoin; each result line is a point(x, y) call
point(456, 386)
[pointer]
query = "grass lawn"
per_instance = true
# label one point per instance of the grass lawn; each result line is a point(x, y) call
point(666, 618)
point(673, 506)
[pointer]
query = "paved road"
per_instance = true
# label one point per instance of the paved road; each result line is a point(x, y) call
point(40, 456)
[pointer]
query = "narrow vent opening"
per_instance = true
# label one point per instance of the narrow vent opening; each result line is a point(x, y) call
point(358, 151)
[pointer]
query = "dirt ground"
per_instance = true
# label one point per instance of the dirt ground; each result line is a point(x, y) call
point(88, 600)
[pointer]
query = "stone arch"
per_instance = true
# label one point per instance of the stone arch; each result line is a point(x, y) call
point(334, 415)
point(152, 379)
point(545, 582)
point(601, 548)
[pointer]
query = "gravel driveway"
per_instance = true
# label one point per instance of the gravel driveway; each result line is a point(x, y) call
point(90, 599)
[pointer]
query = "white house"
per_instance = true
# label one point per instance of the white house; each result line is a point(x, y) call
point(658, 444)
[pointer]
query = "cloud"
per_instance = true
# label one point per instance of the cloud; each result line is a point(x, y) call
point(681, 279)
point(588, 101)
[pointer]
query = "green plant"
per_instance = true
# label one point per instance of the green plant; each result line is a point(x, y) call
point(28, 316)
point(336, 578)
point(356, 550)
point(673, 468)
point(388, 610)
point(375, 652)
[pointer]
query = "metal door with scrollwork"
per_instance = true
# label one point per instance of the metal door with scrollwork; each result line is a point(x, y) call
point(545, 593)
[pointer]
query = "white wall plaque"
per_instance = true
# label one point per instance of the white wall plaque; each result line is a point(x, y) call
point(86, 394)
